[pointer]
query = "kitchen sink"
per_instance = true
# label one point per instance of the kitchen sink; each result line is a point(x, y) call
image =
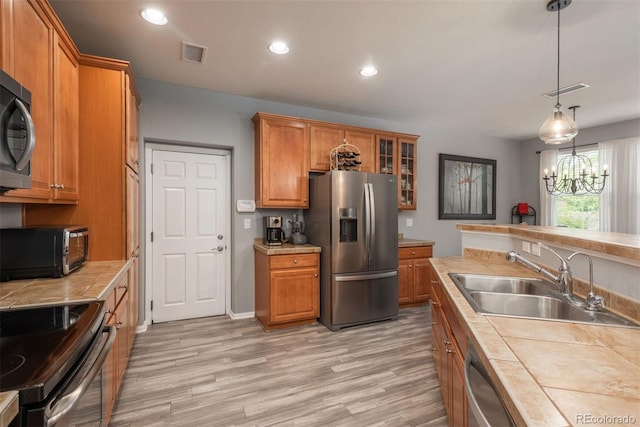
point(527, 297)
point(504, 284)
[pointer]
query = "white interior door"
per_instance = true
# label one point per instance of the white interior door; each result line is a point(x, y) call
point(189, 242)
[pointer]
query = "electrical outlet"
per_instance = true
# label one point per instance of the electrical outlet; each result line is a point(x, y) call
point(409, 222)
point(526, 247)
point(535, 249)
point(247, 224)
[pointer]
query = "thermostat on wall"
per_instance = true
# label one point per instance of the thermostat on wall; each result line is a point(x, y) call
point(246, 206)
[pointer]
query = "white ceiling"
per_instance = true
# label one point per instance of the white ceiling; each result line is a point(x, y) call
point(475, 65)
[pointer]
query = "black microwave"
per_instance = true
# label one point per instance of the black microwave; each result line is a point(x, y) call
point(17, 134)
point(42, 251)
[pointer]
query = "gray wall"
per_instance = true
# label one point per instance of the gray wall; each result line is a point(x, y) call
point(177, 113)
point(530, 161)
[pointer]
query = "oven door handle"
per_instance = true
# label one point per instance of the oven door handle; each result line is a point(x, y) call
point(64, 404)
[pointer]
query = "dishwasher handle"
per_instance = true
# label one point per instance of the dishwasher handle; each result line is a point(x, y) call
point(483, 400)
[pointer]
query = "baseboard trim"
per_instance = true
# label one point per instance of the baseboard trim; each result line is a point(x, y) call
point(238, 316)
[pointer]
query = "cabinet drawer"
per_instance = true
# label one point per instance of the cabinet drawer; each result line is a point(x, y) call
point(415, 252)
point(293, 261)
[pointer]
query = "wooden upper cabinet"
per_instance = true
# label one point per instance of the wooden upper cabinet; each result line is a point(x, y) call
point(288, 148)
point(132, 137)
point(38, 53)
point(322, 140)
point(365, 141)
point(66, 121)
point(281, 162)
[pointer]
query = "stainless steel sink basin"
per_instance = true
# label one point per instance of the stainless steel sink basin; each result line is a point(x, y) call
point(527, 306)
point(504, 284)
point(526, 297)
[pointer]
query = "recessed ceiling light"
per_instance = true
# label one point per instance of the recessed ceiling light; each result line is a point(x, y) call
point(279, 48)
point(154, 16)
point(368, 71)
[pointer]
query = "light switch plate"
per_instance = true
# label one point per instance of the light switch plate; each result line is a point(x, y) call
point(409, 222)
point(526, 247)
point(535, 249)
point(247, 223)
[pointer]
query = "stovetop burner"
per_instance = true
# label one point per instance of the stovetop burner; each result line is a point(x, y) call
point(39, 346)
point(10, 363)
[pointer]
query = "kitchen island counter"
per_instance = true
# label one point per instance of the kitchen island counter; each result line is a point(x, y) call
point(93, 281)
point(549, 372)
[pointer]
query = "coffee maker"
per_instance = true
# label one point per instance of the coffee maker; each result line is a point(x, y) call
point(273, 232)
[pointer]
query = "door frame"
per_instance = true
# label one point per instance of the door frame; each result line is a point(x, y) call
point(149, 148)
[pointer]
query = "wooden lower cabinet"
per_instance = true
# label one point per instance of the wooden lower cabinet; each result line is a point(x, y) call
point(449, 345)
point(287, 289)
point(118, 312)
point(414, 275)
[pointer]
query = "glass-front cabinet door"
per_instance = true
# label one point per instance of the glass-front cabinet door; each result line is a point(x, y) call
point(387, 146)
point(407, 173)
point(397, 156)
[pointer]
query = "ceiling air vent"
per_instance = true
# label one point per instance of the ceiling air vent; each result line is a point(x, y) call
point(567, 89)
point(193, 53)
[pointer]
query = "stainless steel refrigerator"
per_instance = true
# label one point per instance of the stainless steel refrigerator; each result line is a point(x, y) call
point(353, 216)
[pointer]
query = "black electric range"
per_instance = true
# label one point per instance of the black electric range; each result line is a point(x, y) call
point(43, 349)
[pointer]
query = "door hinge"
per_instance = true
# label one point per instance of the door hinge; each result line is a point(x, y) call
point(152, 236)
point(151, 168)
point(151, 305)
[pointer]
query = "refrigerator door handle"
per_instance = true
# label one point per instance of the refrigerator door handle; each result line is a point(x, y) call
point(372, 216)
point(359, 277)
point(367, 222)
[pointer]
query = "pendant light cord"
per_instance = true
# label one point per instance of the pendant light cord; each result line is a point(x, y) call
point(558, 67)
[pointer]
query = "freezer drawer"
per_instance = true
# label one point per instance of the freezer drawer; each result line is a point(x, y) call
point(362, 298)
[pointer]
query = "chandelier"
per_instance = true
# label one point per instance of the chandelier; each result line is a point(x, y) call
point(575, 174)
point(558, 128)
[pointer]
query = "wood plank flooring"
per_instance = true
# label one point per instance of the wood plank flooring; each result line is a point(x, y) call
point(221, 372)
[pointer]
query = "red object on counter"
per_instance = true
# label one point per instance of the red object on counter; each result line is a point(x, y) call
point(523, 208)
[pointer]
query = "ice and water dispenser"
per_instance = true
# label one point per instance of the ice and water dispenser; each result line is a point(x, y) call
point(349, 224)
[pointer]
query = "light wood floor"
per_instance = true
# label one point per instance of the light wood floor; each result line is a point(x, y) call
point(222, 372)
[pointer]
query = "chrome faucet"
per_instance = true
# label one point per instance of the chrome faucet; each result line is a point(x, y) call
point(593, 300)
point(564, 279)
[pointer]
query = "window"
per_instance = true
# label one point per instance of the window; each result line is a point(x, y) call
point(580, 211)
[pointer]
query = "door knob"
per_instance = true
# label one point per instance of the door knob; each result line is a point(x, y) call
point(220, 237)
point(219, 248)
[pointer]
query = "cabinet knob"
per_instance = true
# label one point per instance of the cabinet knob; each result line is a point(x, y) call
point(450, 350)
point(315, 275)
point(295, 261)
point(434, 323)
point(410, 265)
point(119, 324)
point(434, 349)
point(445, 342)
point(434, 282)
point(413, 252)
point(434, 302)
point(61, 186)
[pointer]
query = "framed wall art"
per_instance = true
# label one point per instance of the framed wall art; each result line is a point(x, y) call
point(467, 188)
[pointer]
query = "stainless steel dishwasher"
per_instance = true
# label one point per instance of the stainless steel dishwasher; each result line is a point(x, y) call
point(485, 406)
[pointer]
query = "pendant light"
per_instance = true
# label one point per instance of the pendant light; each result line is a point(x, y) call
point(558, 128)
point(575, 174)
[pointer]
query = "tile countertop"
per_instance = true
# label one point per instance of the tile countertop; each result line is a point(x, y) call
point(619, 244)
point(288, 248)
point(8, 407)
point(90, 282)
point(549, 372)
point(409, 243)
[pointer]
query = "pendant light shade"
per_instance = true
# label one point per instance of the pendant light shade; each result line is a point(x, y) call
point(558, 128)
